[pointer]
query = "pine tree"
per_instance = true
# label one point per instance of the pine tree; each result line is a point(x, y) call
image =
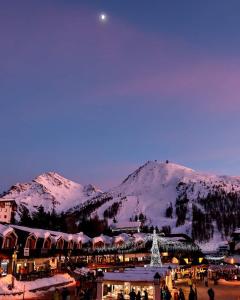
point(25, 218)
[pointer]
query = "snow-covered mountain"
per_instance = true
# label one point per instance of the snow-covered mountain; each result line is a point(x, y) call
point(170, 195)
point(163, 194)
point(51, 190)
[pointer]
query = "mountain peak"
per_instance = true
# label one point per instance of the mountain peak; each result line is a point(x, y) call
point(153, 169)
point(49, 188)
point(52, 177)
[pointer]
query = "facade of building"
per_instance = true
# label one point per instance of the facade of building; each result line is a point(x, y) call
point(7, 210)
point(26, 250)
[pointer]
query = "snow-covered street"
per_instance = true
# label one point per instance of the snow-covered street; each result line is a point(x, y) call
point(225, 290)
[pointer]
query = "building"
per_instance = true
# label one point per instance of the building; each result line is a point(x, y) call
point(128, 226)
point(25, 250)
point(7, 210)
point(235, 242)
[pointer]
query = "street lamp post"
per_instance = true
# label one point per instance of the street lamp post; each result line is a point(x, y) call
point(99, 280)
point(14, 259)
point(156, 281)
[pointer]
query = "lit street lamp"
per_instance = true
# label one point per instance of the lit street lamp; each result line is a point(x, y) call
point(14, 259)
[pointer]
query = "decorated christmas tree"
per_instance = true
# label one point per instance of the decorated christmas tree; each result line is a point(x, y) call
point(155, 255)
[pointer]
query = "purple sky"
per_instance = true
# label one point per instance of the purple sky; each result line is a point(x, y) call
point(92, 101)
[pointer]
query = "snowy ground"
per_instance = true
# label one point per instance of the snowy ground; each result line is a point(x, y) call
point(225, 290)
point(28, 286)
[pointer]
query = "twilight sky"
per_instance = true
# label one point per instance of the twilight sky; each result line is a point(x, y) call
point(92, 101)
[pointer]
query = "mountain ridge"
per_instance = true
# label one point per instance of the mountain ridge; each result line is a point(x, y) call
point(163, 194)
point(51, 190)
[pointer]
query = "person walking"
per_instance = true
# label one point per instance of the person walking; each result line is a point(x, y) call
point(195, 291)
point(81, 295)
point(65, 294)
point(181, 294)
point(138, 296)
point(190, 282)
point(145, 297)
point(132, 295)
point(168, 295)
point(211, 294)
point(78, 284)
point(205, 281)
point(191, 294)
point(120, 296)
point(56, 295)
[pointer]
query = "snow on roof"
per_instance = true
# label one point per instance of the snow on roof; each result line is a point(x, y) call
point(126, 224)
point(7, 200)
point(42, 233)
point(40, 283)
point(82, 271)
point(221, 267)
point(102, 238)
point(66, 237)
point(234, 259)
point(139, 237)
point(237, 230)
point(123, 237)
point(4, 230)
point(39, 233)
point(175, 238)
point(81, 237)
point(145, 274)
point(237, 246)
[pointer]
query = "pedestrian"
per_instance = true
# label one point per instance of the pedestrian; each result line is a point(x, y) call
point(87, 294)
point(56, 295)
point(81, 295)
point(206, 281)
point(138, 296)
point(168, 295)
point(190, 283)
point(195, 291)
point(77, 290)
point(175, 294)
point(65, 294)
point(211, 294)
point(145, 297)
point(181, 295)
point(120, 296)
point(191, 294)
point(163, 294)
point(132, 295)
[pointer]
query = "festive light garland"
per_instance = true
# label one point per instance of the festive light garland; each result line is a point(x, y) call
point(130, 246)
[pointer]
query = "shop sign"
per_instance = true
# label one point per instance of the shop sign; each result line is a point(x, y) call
point(26, 252)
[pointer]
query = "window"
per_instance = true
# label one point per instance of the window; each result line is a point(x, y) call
point(8, 242)
point(31, 242)
point(5, 216)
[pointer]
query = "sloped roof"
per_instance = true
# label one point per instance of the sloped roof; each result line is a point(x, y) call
point(102, 238)
point(81, 237)
point(139, 237)
point(126, 224)
point(124, 237)
point(5, 229)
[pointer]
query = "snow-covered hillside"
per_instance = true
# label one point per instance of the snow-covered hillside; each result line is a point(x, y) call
point(172, 195)
point(163, 194)
point(51, 190)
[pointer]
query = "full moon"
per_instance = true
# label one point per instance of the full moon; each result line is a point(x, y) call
point(103, 17)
